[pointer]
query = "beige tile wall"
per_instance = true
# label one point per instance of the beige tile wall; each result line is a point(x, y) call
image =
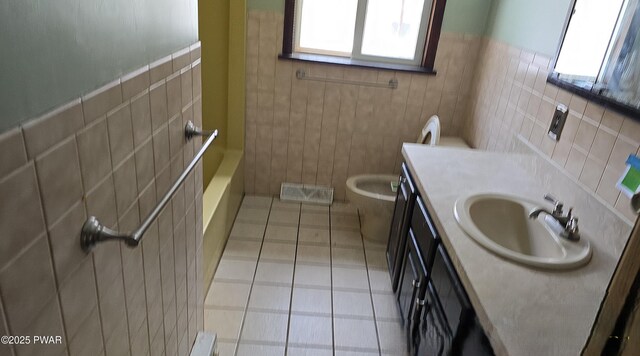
point(511, 97)
point(314, 132)
point(112, 153)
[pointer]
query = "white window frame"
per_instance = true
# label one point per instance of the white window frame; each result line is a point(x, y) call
point(356, 51)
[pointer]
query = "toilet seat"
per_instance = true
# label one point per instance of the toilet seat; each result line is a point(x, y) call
point(430, 133)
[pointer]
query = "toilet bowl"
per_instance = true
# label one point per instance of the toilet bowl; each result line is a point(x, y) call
point(373, 196)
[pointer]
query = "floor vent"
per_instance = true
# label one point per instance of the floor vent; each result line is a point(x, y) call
point(306, 193)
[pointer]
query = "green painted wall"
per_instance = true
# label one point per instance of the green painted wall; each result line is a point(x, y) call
point(533, 25)
point(468, 16)
point(276, 5)
point(55, 51)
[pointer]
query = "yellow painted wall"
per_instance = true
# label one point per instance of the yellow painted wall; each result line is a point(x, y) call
point(222, 26)
point(222, 33)
point(213, 21)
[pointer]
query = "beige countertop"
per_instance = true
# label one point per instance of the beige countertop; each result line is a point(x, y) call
point(523, 311)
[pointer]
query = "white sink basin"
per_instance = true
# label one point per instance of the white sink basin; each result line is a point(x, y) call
point(501, 224)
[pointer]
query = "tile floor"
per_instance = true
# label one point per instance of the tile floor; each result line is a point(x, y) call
point(300, 280)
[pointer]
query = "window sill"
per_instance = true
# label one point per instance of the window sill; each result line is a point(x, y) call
point(602, 100)
point(316, 58)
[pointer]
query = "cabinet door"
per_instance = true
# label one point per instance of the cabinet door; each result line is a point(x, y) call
point(426, 234)
point(433, 336)
point(399, 225)
point(456, 307)
point(413, 280)
point(473, 342)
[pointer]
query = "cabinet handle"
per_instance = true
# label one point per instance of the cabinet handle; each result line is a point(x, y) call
point(415, 283)
point(403, 180)
point(420, 302)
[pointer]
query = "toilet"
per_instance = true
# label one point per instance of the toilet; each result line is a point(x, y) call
point(373, 194)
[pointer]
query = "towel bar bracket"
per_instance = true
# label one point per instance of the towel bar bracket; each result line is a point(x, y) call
point(93, 232)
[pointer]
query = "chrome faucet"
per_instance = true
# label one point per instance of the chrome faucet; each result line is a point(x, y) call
point(568, 223)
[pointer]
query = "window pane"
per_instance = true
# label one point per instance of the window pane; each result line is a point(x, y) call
point(587, 38)
point(391, 28)
point(328, 25)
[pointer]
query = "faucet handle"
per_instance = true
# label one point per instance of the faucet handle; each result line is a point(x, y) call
point(572, 231)
point(551, 198)
point(558, 205)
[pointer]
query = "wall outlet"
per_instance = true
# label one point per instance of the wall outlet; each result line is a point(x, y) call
point(557, 123)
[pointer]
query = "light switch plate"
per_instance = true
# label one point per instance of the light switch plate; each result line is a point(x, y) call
point(557, 123)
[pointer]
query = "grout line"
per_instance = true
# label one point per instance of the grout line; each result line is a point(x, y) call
point(333, 331)
point(293, 277)
point(373, 309)
point(255, 271)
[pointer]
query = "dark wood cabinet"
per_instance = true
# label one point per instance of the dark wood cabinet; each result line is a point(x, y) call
point(405, 198)
point(437, 314)
point(414, 280)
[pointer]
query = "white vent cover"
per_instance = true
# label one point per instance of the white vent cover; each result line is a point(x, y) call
point(306, 193)
point(205, 345)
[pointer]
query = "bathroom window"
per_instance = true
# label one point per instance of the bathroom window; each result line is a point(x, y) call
point(599, 57)
point(364, 32)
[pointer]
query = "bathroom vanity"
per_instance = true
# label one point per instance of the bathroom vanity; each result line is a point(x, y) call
point(456, 297)
point(436, 312)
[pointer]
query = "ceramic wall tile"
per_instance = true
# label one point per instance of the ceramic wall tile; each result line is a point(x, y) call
point(104, 155)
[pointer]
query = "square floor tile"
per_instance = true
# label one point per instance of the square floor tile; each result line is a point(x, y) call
point(244, 249)
point(376, 258)
point(247, 231)
point(224, 294)
point(314, 254)
point(347, 256)
point(345, 222)
point(310, 330)
point(261, 327)
point(355, 333)
point(318, 219)
point(253, 201)
point(226, 348)
point(380, 280)
point(225, 323)
point(285, 205)
point(343, 208)
point(270, 298)
point(392, 337)
point(314, 235)
point(352, 304)
point(307, 351)
point(274, 272)
point(278, 251)
point(356, 353)
point(375, 245)
point(239, 270)
point(259, 349)
point(309, 300)
point(312, 208)
point(311, 275)
point(345, 238)
point(281, 233)
point(284, 217)
point(253, 215)
point(350, 278)
point(386, 306)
